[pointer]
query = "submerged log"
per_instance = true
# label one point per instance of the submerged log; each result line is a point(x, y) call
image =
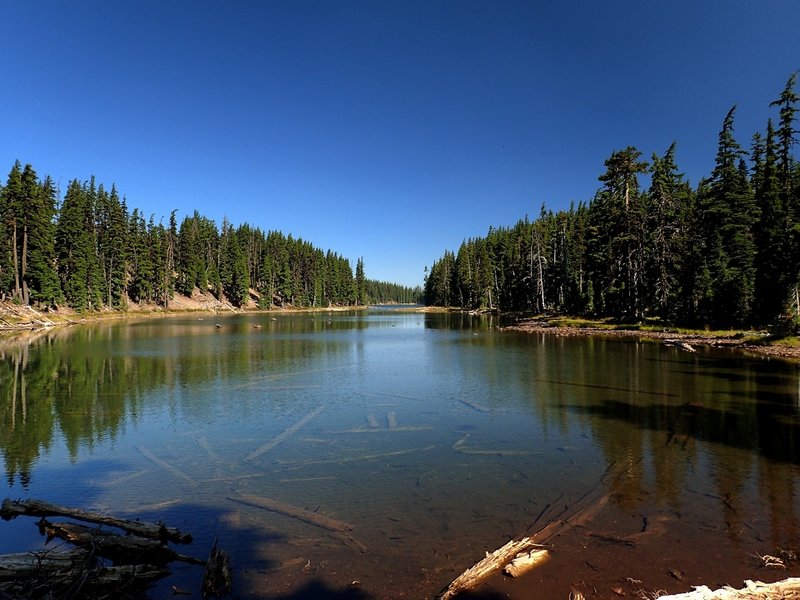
point(752, 590)
point(12, 509)
point(295, 512)
point(166, 466)
point(283, 436)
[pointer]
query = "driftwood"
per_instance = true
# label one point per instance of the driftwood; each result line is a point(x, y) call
point(70, 574)
point(12, 509)
point(125, 548)
point(752, 590)
point(139, 556)
point(577, 514)
point(295, 512)
point(493, 561)
point(525, 561)
point(26, 564)
point(284, 435)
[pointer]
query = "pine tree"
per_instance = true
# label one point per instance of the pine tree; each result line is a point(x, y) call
point(360, 283)
point(44, 288)
point(771, 284)
point(789, 182)
point(617, 245)
point(11, 215)
point(667, 229)
point(75, 247)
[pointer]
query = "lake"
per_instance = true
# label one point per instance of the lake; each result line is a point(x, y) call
point(435, 436)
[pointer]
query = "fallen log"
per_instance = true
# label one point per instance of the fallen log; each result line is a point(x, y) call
point(493, 561)
point(12, 509)
point(459, 446)
point(21, 565)
point(752, 590)
point(283, 436)
point(584, 509)
point(70, 574)
point(119, 548)
point(312, 518)
point(82, 572)
point(525, 561)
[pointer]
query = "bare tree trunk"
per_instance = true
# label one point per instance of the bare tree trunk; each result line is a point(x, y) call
point(17, 288)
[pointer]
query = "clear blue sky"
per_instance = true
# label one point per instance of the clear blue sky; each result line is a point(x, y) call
point(388, 130)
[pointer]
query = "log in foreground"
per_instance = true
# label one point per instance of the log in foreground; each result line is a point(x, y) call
point(125, 548)
point(139, 554)
point(12, 509)
point(577, 514)
point(493, 561)
point(752, 590)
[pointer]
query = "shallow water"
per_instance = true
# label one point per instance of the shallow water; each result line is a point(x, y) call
point(435, 436)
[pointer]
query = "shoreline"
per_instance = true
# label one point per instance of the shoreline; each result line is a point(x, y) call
point(751, 342)
point(16, 318)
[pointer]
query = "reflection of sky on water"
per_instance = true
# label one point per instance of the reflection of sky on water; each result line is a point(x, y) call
point(489, 427)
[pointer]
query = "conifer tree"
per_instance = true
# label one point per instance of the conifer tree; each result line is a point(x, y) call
point(789, 182)
point(616, 250)
point(44, 288)
point(11, 203)
point(771, 285)
point(360, 283)
point(75, 247)
point(667, 230)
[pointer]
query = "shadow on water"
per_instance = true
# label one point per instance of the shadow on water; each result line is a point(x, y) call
point(757, 426)
point(317, 590)
point(248, 546)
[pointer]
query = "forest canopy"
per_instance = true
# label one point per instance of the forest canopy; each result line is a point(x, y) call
point(88, 251)
point(723, 253)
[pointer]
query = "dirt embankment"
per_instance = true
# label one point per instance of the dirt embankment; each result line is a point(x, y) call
point(752, 342)
point(16, 317)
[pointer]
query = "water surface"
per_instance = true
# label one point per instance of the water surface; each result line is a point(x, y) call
point(435, 436)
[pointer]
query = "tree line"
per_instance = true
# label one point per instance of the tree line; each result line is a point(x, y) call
point(88, 251)
point(724, 253)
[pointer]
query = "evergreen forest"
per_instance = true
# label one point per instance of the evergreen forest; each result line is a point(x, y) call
point(87, 251)
point(723, 253)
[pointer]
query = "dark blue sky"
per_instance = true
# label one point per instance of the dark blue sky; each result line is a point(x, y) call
point(385, 130)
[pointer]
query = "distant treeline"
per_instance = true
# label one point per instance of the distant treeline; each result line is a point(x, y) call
point(382, 292)
point(88, 251)
point(725, 253)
